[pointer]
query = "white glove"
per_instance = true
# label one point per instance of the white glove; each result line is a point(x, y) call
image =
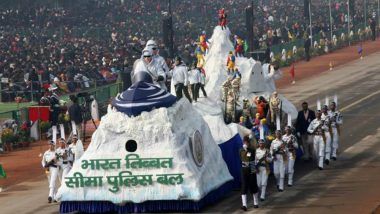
point(298, 134)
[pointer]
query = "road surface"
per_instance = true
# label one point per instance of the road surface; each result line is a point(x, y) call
point(349, 185)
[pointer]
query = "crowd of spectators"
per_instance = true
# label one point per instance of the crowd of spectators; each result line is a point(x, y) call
point(77, 43)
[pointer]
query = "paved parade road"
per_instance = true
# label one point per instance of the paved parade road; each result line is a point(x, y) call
point(349, 185)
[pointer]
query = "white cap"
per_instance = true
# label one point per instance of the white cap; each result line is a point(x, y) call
point(147, 52)
point(151, 43)
point(56, 79)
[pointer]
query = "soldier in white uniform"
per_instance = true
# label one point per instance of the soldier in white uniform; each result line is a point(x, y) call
point(292, 145)
point(318, 129)
point(156, 56)
point(327, 122)
point(148, 64)
point(278, 152)
point(336, 122)
point(194, 77)
point(180, 79)
point(76, 148)
point(65, 159)
point(49, 162)
point(263, 159)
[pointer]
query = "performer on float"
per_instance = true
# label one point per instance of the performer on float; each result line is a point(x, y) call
point(236, 74)
point(238, 45)
point(222, 18)
point(203, 42)
point(274, 107)
point(231, 62)
point(271, 72)
point(200, 55)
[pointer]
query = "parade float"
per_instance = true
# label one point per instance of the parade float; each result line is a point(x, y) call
point(149, 154)
point(152, 153)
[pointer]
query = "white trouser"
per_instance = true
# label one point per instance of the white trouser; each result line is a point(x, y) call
point(65, 170)
point(279, 170)
point(77, 129)
point(62, 130)
point(53, 178)
point(319, 149)
point(54, 137)
point(290, 168)
point(328, 146)
point(335, 141)
point(255, 200)
point(262, 180)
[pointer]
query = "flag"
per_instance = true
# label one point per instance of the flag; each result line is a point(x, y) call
point(246, 47)
point(2, 172)
point(292, 74)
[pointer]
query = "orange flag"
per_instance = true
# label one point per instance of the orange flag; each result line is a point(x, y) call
point(292, 73)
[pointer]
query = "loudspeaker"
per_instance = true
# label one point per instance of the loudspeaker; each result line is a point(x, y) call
point(306, 9)
point(167, 35)
point(249, 26)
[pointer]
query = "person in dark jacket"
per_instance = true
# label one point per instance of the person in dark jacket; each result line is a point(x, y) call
point(372, 25)
point(304, 118)
point(307, 46)
point(75, 113)
point(248, 173)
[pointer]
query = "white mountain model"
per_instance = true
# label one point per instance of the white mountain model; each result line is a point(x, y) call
point(197, 165)
point(254, 81)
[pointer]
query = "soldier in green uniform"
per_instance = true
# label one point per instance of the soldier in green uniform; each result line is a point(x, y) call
point(248, 173)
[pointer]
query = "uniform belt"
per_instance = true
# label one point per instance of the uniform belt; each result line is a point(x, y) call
point(55, 166)
point(65, 162)
point(245, 164)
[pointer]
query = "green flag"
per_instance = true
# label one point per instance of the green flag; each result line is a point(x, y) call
point(246, 47)
point(2, 172)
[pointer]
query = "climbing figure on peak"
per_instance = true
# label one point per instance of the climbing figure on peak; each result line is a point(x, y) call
point(203, 42)
point(222, 18)
point(231, 62)
point(238, 45)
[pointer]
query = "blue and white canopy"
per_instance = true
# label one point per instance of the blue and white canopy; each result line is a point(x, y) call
point(142, 96)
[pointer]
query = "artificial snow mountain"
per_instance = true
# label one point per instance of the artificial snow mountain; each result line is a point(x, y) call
point(255, 81)
point(166, 130)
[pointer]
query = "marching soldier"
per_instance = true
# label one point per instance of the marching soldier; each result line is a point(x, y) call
point(291, 144)
point(327, 122)
point(248, 174)
point(336, 122)
point(278, 152)
point(318, 129)
point(49, 162)
point(54, 111)
point(76, 148)
point(262, 164)
point(65, 159)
